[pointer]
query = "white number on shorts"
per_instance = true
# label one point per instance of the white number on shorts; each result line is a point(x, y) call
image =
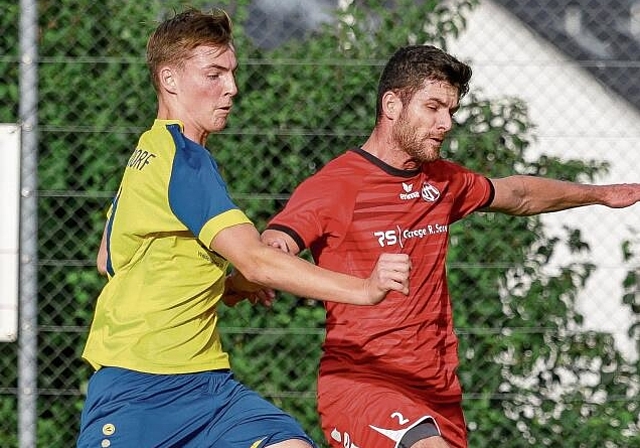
point(400, 418)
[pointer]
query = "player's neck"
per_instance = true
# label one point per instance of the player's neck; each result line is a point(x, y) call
point(387, 150)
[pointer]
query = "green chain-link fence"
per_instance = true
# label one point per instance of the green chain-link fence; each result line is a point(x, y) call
point(307, 92)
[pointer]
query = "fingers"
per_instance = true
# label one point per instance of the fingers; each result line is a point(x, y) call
point(232, 300)
point(279, 244)
point(264, 297)
point(399, 262)
point(392, 272)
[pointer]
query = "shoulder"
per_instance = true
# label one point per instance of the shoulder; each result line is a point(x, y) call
point(445, 167)
point(162, 134)
point(453, 173)
point(349, 160)
point(339, 172)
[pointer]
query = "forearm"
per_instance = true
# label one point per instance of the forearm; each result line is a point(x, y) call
point(543, 195)
point(530, 195)
point(276, 269)
point(272, 267)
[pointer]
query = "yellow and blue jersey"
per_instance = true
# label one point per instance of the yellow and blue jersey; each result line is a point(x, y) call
point(157, 312)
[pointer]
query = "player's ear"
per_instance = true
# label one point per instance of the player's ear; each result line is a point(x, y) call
point(391, 105)
point(168, 79)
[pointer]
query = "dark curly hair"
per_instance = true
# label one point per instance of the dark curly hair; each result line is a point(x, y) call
point(410, 66)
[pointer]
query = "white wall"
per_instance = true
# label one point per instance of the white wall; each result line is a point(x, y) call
point(577, 118)
point(9, 209)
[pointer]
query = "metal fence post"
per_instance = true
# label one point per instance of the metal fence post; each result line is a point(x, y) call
point(28, 280)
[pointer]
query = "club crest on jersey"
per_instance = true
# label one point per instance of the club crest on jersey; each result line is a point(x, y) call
point(430, 193)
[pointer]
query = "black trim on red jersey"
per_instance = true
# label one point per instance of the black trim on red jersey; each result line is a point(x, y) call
point(289, 231)
point(492, 194)
point(385, 167)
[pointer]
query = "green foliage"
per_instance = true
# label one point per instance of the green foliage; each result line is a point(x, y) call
point(9, 415)
point(9, 63)
point(631, 298)
point(530, 378)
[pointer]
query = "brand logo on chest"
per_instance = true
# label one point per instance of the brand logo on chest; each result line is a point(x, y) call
point(428, 192)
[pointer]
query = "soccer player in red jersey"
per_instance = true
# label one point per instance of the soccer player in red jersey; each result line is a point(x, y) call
point(387, 376)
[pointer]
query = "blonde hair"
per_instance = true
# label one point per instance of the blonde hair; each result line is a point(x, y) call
point(175, 38)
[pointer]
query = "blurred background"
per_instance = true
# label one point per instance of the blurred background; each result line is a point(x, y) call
point(547, 308)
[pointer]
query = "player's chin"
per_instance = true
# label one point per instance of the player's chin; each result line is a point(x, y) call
point(432, 151)
point(218, 124)
point(430, 154)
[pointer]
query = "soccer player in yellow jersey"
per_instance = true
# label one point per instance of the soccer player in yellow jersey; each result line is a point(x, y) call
point(162, 378)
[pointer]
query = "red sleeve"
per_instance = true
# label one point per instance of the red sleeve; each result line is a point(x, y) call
point(310, 216)
point(471, 191)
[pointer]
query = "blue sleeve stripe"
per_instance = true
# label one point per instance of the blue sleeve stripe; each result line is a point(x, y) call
point(197, 192)
point(110, 269)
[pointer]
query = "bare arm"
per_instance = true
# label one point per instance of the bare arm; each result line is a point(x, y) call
point(101, 259)
point(530, 195)
point(271, 267)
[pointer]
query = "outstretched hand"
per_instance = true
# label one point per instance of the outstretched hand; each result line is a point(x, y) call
point(622, 195)
point(391, 273)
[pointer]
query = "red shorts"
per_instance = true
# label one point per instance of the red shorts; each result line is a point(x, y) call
point(357, 412)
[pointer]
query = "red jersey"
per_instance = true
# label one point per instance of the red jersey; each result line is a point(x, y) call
point(356, 208)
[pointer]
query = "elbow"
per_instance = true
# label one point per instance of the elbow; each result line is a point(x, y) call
point(522, 209)
point(256, 267)
point(101, 266)
point(253, 274)
point(101, 261)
